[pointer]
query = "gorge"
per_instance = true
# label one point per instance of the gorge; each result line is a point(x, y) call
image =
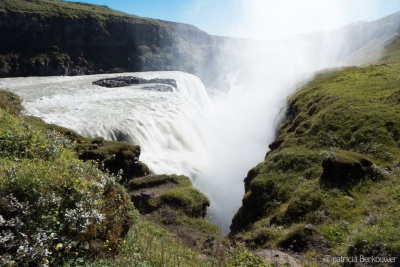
point(216, 123)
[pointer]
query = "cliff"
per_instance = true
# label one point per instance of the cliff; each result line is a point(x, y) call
point(48, 37)
point(329, 184)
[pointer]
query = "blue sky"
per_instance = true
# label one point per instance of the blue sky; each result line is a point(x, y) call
point(257, 18)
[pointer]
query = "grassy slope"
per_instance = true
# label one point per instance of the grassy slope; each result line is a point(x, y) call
point(343, 118)
point(50, 8)
point(56, 210)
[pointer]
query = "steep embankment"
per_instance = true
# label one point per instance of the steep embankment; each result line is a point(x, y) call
point(329, 185)
point(49, 37)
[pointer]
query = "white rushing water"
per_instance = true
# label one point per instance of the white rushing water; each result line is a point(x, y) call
point(169, 126)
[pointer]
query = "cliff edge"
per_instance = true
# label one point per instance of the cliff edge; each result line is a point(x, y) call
point(50, 37)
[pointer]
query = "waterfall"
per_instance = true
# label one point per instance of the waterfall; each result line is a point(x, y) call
point(169, 126)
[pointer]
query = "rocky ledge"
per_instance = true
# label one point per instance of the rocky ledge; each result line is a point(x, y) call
point(167, 193)
point(160, 85)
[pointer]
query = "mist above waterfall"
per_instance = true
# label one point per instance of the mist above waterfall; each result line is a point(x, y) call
point(265, 71)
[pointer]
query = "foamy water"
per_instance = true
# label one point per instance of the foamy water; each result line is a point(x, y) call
point(169, 126)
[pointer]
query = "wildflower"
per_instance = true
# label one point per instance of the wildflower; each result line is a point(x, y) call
point(46, 260)
point(109, 249)
point(76, 253)
point(58, 246)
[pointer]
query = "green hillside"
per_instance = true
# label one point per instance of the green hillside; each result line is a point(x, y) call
point(51, 8)
point(330, 184)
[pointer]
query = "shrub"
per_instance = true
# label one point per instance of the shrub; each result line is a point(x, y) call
point(54, 209)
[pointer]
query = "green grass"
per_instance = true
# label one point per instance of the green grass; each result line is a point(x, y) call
point(149, 245)
point(180, 194)
point(112, 155)
point(155, 180)
point(49, 8)
point(57, 210)
point(10, 103)
point(337, 167)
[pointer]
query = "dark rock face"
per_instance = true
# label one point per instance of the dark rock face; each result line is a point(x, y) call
point(33, 44)
point(141, 200)
point(163, 85)
point(250, 176)
point(115, 156)
point(341, 172)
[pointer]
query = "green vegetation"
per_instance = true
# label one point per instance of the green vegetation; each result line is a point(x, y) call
point(331, 178)
point(10, 103)
point(57, 210)
point(173, 201)
point(51, 8)
point(114, 156)
point(176, 192)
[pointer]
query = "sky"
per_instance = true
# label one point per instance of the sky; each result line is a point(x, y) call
point(257, 18)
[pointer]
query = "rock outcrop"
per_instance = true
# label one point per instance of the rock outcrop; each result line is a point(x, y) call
point(278, 258)
point(161, 84)
point(168, 194)
point(345, 169)
point(110, 155)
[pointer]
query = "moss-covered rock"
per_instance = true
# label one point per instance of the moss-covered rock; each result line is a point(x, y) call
point(111, 155)
point(173, 203)
point(345, 169)
point(10, 102)
point(153, 192)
